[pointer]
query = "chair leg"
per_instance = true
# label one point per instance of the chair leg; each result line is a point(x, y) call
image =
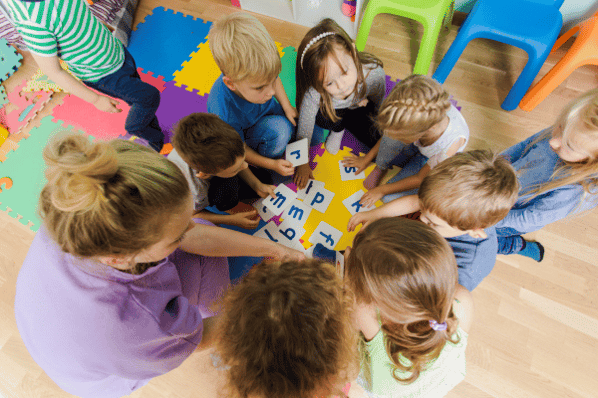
point(452, 56)
point(426, 49)
point(561, 40)
point(448, 16)
point(523, 82)
point(364, 29)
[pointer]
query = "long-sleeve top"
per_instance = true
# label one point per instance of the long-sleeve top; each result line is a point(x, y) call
point(375, 80)
point(535, 163)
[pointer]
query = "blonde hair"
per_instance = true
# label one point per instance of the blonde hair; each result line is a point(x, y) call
point(107, 198)
point(243, 48)
point(470, 190)
point(579, 117)
point(311, 73)
point(415, 104)
point(408, 271)
point(287, 332)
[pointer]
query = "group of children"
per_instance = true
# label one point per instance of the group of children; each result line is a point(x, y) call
point(393, 322)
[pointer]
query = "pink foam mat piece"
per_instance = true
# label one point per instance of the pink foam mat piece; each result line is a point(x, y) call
point(176, 103)
point(148, 77)
point(18, 102)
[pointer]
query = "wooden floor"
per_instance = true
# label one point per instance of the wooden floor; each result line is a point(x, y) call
point(535, 332)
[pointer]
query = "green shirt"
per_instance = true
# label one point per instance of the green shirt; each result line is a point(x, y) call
point(68, 29)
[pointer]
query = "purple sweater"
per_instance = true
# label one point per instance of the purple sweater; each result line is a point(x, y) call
point(99, 332)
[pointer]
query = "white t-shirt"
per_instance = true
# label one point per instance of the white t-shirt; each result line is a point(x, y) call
point(198, 186)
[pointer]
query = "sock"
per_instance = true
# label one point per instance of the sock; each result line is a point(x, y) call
point(533, 250)
point(324, 253)
point(373, 179)
point(333, 142)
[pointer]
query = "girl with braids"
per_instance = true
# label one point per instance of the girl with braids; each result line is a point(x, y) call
point(338, 88)
point(413, 316)
point(116, 288)
point(558, 175)
point(421, 129)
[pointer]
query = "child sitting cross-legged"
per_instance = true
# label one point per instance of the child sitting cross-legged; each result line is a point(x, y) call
point(462, 198)
point(249, 94)
point(211, 155)
point(413, 315)
point(287, 332)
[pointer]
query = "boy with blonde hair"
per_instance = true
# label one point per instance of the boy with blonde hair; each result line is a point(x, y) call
point(421, 129)
point(245, 95)
point(211, 155)
point(462, 198)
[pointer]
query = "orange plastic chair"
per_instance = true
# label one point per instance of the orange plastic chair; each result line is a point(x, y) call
point(584, 51)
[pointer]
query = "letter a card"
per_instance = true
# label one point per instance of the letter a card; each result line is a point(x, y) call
point(326, 235)
point(352, 203)
point(296, 152)
point(348, 173)
point(284, 197)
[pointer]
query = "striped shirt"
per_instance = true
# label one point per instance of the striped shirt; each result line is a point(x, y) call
point(67, 29)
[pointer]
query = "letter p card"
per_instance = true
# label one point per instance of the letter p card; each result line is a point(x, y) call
point(296, 152)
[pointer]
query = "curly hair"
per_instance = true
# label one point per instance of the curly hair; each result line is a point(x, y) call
point(409, 272)
point(287, 332)
point(415, 104)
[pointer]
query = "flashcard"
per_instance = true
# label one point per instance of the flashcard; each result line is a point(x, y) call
point(297, 152)
point(290, 234)
point(302, 193)
point(297, 213)
point(265, 213)
point(284, 197)
point(348, 173)
point(270, 231)
point(326, 235)
point(352, 203)
point(319, 199)
point(340, 264)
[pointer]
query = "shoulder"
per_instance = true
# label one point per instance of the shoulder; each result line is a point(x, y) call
point(218, 97)
point(457, 124)
point(464, 308)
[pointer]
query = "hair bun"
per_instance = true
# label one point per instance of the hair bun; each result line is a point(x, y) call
point(77, 171)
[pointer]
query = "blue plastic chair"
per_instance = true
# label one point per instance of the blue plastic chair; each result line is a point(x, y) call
point(532, 25)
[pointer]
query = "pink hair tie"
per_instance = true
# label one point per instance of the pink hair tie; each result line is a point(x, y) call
point(437, 326)
point(312, 41)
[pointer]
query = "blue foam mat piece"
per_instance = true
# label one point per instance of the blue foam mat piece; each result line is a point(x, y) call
point(165, 40)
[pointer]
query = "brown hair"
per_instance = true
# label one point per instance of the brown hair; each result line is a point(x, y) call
point(470, 190)
point(207, 143)
point(409, 272)
point(287, 332)
point(243, 49)
point(415, 104)
point(107, 198)
point(313, 70)
point(579, 117)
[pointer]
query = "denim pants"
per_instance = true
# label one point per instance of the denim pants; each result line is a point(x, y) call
point(143, 98)
point(271, 134)
point(509, 241)
point(411, 161)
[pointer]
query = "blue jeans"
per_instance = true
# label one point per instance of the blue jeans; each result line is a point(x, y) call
point(143, 98)
point(270, 135)
point(509, 241)
point(415, 162)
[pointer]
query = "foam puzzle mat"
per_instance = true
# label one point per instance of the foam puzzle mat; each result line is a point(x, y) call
point(172, 54)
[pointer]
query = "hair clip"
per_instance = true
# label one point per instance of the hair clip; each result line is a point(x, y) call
point(437, 326)
point(312, 41)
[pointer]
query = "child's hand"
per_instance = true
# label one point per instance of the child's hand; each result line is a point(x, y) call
point(302, 175)
point(291, 114)
point(363, 102)
point(265, 190)
point(106, 104)
point(364, 218)
point(283, 167)
point(246, 219)
point(371, 197)
point(360, 162)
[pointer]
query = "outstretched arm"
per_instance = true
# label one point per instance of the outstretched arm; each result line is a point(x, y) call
point(398, 207)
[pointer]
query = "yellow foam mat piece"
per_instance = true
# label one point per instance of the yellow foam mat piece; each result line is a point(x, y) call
point(201, 71)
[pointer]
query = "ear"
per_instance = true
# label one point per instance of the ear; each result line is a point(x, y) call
point(477, 233)
point(202, 175)
point(229, 83)
point(115, 262)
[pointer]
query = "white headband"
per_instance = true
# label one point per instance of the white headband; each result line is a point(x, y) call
point(312, 41)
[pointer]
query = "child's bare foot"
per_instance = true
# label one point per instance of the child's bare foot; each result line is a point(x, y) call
point(374, 178)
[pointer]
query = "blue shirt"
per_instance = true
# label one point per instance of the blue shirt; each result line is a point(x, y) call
point(236, 111)
point(475, 257)
point(535, 163)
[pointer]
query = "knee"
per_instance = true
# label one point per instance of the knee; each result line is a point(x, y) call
point(150, 97)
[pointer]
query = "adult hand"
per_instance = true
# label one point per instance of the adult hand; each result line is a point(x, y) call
point(302, 175)
point(371, 197)
point(283, 167)
point(360, 162)
point(106, 104)
point(246, 219)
